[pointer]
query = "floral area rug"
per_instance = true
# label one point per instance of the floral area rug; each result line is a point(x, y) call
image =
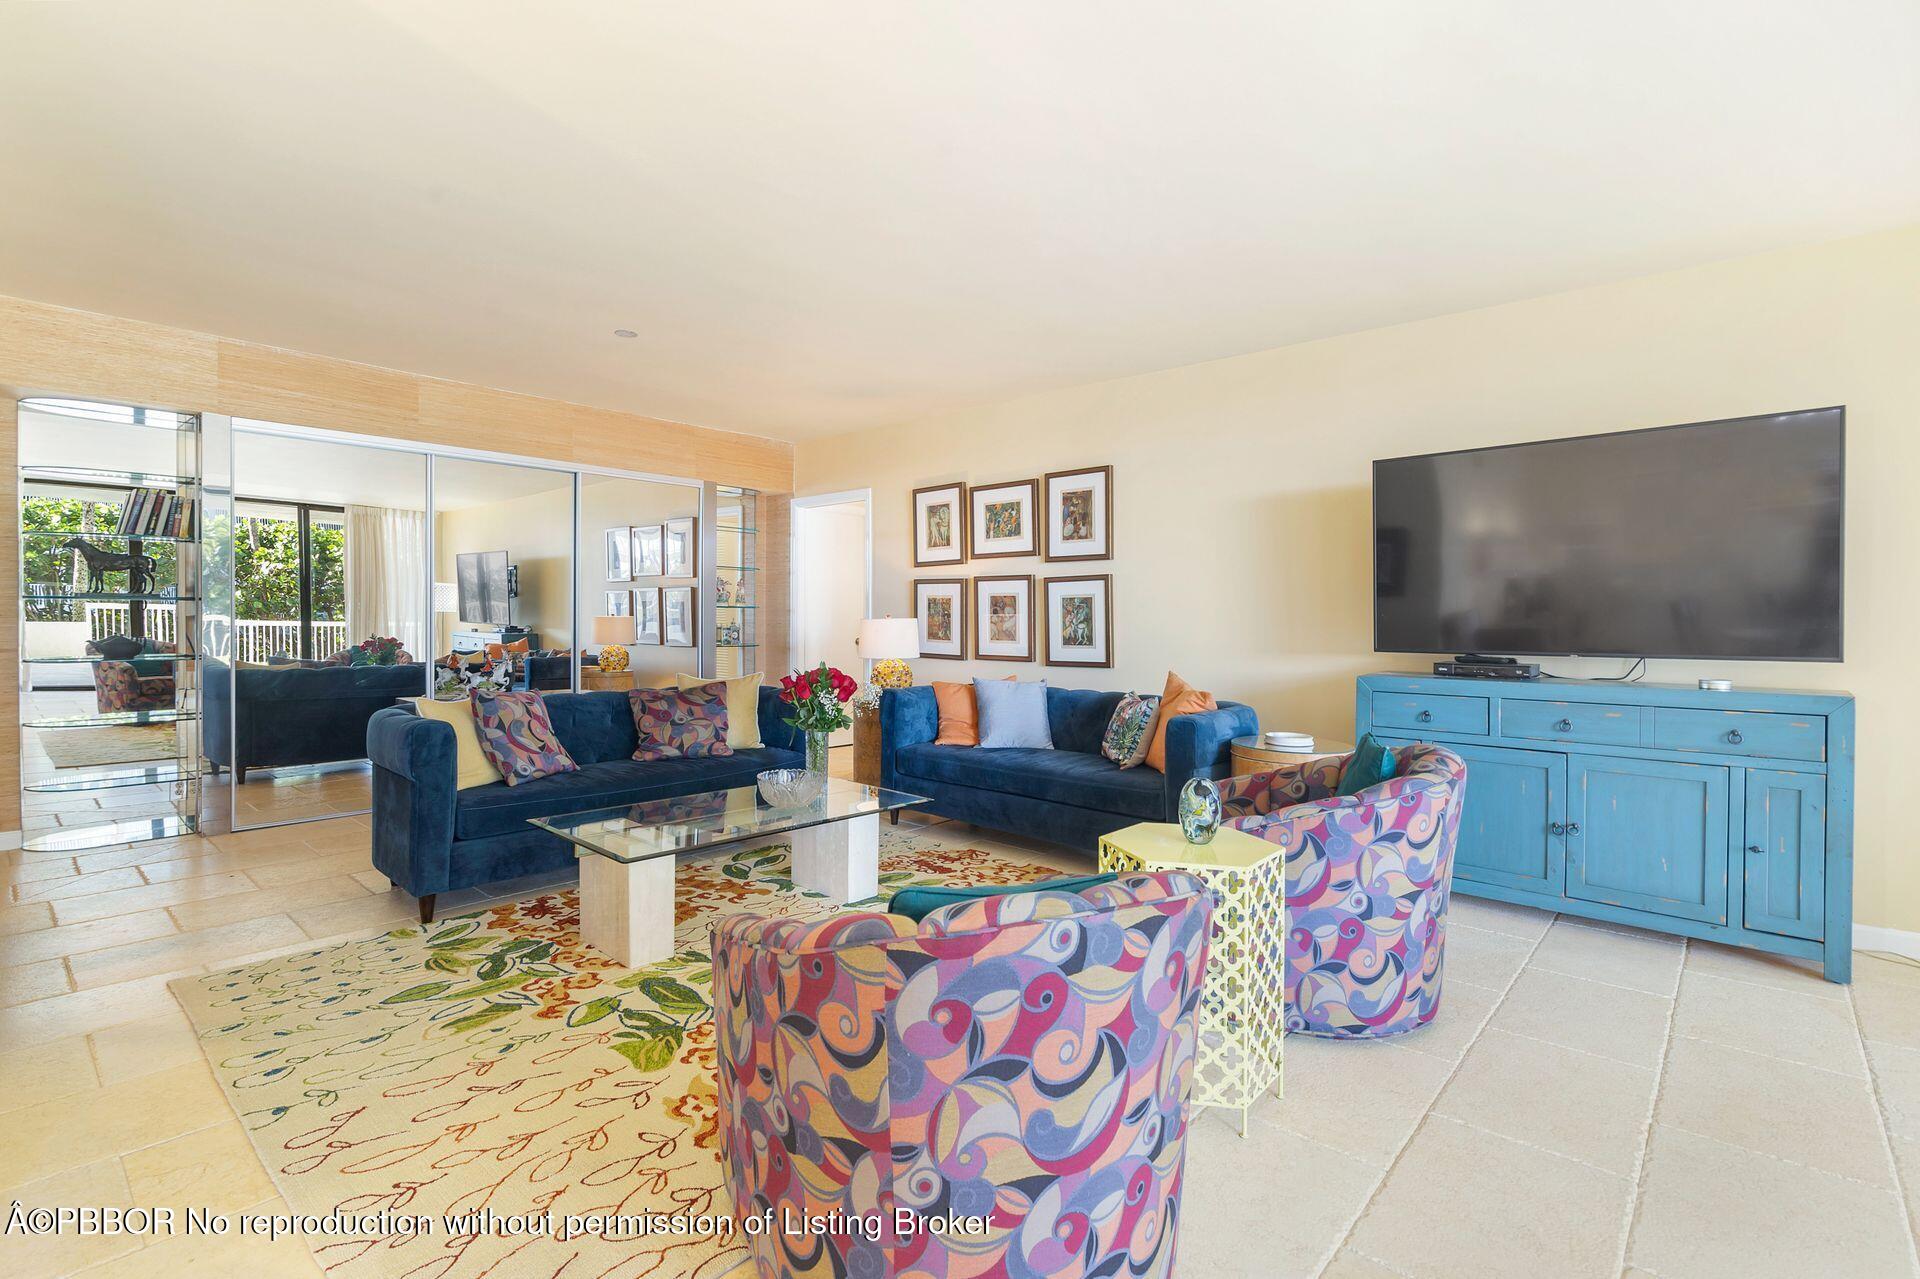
point(432, 1084)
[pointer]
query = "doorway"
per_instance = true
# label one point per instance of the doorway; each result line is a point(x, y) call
point(832, 583)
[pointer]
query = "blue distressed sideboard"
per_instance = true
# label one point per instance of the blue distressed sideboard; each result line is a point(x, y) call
point(1725, 816)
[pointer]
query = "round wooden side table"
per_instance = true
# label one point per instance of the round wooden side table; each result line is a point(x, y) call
point(1253, 755)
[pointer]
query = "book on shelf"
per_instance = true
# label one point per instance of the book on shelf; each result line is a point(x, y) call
point(154, 512)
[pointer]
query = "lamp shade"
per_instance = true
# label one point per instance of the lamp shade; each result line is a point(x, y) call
point(889, 637)
point(446, 598)
point(613, 630)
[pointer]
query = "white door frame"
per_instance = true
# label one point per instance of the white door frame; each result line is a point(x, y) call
point(796, 581)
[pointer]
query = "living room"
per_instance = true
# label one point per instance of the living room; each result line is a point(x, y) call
point(1204, 378)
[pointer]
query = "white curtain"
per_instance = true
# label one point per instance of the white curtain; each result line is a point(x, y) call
point(387, 575)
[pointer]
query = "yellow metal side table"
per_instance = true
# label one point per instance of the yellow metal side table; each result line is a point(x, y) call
point(1243, 1010)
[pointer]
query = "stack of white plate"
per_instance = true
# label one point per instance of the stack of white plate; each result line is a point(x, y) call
point(1301, 742)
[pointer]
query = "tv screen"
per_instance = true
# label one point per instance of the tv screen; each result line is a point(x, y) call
point(485, 593)
point(1711, 540)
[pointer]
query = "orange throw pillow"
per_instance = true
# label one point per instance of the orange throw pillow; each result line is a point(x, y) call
point(959, 713)
point(1180, 698)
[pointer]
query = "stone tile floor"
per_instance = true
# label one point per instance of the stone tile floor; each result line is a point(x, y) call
point(1592, 1100)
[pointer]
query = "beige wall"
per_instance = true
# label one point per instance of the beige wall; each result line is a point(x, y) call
point(1241, 486)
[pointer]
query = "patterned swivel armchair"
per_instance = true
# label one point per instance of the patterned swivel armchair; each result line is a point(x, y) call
point(1368, 877)
point(133, 685)
point(1024, 1059)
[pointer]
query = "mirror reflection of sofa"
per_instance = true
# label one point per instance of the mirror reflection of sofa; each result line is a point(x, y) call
point(301, 714)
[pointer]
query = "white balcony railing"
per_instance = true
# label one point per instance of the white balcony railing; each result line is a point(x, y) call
point(255, 639)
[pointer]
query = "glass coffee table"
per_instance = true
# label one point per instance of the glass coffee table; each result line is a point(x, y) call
point(627, 854)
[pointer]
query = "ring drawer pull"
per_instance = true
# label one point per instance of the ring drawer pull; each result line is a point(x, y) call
point(1573, 828)
point(1558, 828)
point(1735, 737)
point(1756, 850)
point(1425, 717)
point(1563, 726)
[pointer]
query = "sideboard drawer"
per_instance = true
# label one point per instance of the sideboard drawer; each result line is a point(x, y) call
point(1764, 734)
point(1430, 712)
point(1595, 722)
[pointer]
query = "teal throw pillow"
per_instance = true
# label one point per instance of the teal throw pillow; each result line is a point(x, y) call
point(1369, 765)
point(917, 903)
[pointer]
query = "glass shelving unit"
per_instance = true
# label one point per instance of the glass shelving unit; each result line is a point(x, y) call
point(736, 591)
point(68, 601)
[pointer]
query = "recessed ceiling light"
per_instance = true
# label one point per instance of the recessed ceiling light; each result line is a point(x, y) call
point(625, 333)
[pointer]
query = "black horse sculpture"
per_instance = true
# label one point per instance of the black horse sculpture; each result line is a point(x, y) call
point(139, 568)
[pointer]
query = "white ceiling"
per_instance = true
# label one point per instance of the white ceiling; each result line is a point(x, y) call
point(830, 215)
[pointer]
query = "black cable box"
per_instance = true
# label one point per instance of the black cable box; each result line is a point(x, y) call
point(1487, 670)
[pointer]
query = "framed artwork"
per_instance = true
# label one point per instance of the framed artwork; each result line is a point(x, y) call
point(1000, 519)
point(682, 553)
point(648, 551)
point(676, 614)
point(1079, 514)
point(940, 525)
point(1003, 619)
point(646, 615)
point(619, 604)
point(940, 604)
point(619, 557)
point(1079, 613)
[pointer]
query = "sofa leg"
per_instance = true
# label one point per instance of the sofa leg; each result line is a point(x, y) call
point(426, 908)
point(239, 774)
point(893, 818)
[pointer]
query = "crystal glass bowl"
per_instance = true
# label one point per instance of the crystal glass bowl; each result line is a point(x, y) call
point(791, 787)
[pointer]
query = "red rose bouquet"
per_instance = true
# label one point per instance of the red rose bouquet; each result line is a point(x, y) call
point(819, 699)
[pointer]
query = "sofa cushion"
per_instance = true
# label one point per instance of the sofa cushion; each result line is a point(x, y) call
point(1012, 715)
point(594, 727)
point(1061, 777)
point(518, 736)
point(680, 723)
point(1078, 717)
point(499, 809)
point(1130, 731)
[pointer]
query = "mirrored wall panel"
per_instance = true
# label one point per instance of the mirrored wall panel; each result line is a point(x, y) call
point(503, 570)
point(642, 575)
point(329, 605)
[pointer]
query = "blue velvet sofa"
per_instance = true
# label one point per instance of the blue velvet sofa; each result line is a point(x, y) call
point(1070, 795)
point(289, 715)
point(429, 838)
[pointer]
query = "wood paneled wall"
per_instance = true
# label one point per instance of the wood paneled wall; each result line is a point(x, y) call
point(51, 350)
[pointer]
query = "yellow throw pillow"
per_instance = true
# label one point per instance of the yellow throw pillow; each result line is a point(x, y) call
point(471, 767)
point(743, 708)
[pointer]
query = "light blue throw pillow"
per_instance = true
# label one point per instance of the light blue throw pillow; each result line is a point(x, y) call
point(1012, 714)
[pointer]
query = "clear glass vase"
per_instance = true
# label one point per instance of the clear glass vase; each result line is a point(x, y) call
point(816, 751)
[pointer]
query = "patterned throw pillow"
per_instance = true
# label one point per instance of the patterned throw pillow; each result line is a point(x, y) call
point(682, 723)
point(1130, 730)
point(517, 735)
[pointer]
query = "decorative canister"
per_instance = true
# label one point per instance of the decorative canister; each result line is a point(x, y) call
point(1199, 810)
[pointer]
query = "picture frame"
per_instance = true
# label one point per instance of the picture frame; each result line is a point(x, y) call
point(939, 525)
point(619, 555)
point(646, 615)
point(1000, 519)
point(940, 607)
point(677, 621)
point(1078, 613)
point(682, 547)
point(1003, 619)
point(619, 604)
point(649, 551)
point(1079, 514)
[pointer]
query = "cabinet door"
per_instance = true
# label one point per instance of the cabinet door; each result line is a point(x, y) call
point(1785, 885)
point(1649, 835)
point(1516, 801)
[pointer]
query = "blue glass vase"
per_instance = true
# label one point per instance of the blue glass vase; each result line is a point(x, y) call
point(1199, 810)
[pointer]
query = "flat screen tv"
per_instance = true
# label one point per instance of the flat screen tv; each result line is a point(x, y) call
point(486, 594)
point(1716, 540)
